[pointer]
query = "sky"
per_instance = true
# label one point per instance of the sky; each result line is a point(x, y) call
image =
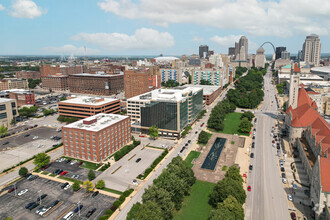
point(153, 27)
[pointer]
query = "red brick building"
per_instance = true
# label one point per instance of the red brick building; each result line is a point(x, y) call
point(22, 97)
point(97, 137)
point(97, 84)
point(28, 74)
point(83, 107)
point(55, 82)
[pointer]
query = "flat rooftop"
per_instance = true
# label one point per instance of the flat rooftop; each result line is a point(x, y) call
point(207, 90)
point(96, 75)
point(88, 100)
point(302, 76)
point(97, 122)
point(6, 100)
point(171, 95)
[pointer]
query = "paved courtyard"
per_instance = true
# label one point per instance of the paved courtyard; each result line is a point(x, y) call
point(120, 175)
point(227, 157)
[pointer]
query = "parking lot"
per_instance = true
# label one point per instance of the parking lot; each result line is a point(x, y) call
point(14, 206)
point(72, 170)
point(20, 139)
point(123, 172)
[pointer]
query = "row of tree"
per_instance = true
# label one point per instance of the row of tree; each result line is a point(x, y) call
point(28, 112)
point(248, 92)
point(33, 83)
point(166, 194)
point(239, 71)
point(228, 196)
point(170, 83)
point(218, 114)
point(68, 120)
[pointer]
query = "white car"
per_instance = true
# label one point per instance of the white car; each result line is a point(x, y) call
point(35, 137)
point(289, 197)
point(67, 187)
point(284, 180)
point(23, 192)
point(73, 162)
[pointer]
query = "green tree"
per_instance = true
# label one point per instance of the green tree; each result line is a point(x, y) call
point(203, 137)
point(63, 99)
point(28, 112)
point(41, 160)
point(162, 198)
point(23, 171)
point(226, 187)
point(12, 122)
point(75, 186)
point(89, 186)
point(249, 115)
point(245, 126)
point(205, 82)
point(91, 175)
point(100, 184)
point(147, 211)
point(221, 213)
point(3, 130)
point(232, 205)
point(153, 132)
point(234, 173)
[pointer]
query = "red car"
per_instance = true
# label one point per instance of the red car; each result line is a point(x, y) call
point(80, 163)
point(202, 124)
point(273, 141)
point(293, 216)
point(63, 173)
point(12, 189)
point(141, 135)
point(249, 188)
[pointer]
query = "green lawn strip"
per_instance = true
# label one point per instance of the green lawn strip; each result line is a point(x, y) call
point(159, 148)
point(112, 191)
point(191, 156)
point(52, 175)
point(15, 181)
point(44, 173)
point(70, 179)
point(196, 206)
point(86, 164)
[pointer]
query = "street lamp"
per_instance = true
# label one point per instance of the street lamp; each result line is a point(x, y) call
point(79, 207)
point(39, 196)
point(15, 189)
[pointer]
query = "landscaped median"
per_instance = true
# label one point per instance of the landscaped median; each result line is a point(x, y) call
point(125, 150)
point(153, 165)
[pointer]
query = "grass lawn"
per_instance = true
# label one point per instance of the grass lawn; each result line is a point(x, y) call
point(196, 206)
point(232, 122)
point(192, 155)
point(112, 191)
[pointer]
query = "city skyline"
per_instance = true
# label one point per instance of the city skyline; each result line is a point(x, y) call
point(110, 27)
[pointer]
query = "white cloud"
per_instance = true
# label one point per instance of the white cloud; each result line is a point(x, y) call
point(227, 41)
point(282, 18)
point(26, 9)
point(2, 7)
point(69, 49)
point(198, 39)
point(142, 39)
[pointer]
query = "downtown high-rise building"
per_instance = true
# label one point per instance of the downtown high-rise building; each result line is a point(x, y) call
point(241, 49)
point(278, 52)
point(203, 51)
point(311, 50)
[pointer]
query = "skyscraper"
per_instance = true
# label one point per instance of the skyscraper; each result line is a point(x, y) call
point(285, 55)
point(279, 51)
point(241, 49)
point(311, 50)
point(203, 51)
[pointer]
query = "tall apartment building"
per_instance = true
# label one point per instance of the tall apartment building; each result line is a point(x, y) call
point(171, 74)
point(311, 51)
point(285, 55)
point(139, 81)
point(203, 51)
point(55, 82)
point(27, 74)
point(97, 137)
point(85, 106)
point(210, 93)
point(8, 111)
point(22, 97)
point(278, 52)
point(241, 49)
point(97, 84)
point(216, 60)
point(171, 110)
point(7, 84)
point(217, 77)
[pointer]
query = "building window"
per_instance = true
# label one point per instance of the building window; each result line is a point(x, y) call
point(14, 112)
point(2, 107)
point(3, 115)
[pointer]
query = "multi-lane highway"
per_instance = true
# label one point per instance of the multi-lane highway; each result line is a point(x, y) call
point(267, 199)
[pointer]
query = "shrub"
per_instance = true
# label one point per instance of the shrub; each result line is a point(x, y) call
point(104, 217)
point(117, 203)
point(100, 184)
point(108, 212)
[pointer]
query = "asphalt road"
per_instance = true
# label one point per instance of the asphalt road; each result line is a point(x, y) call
point(267, 199)
point(191, 136)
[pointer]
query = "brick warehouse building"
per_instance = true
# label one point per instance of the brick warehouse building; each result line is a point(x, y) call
point(83, 107)
point(22, 97)
point(55, 82)
point(27, 74)
point(97, 84)
point(97, 137)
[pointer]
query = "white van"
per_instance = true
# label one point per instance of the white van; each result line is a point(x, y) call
point(68, 216)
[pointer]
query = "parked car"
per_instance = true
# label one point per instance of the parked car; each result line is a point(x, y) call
point(252, 155)
point(249, 188)
point(12, 189)
point(27, 135)
point(5, 143)
point(35, 125)
point(45, 167)
point(138, 160)
point(33, 206)
point(40, 209)
point(42, 197)
point(63, 173)
point(79, 163)
point(78, 208)
point(67, 186)
point(293, 216)
point(283, 175)
point(251, 167)
point(95, 193)
point(29, 204)
point(35, 137)
point(284, 180)
point(282, 169)
point(64, 185)
point(253, 144)
point(23, 192)
point(289, 197)
point(141, 135)
point(89, 213)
